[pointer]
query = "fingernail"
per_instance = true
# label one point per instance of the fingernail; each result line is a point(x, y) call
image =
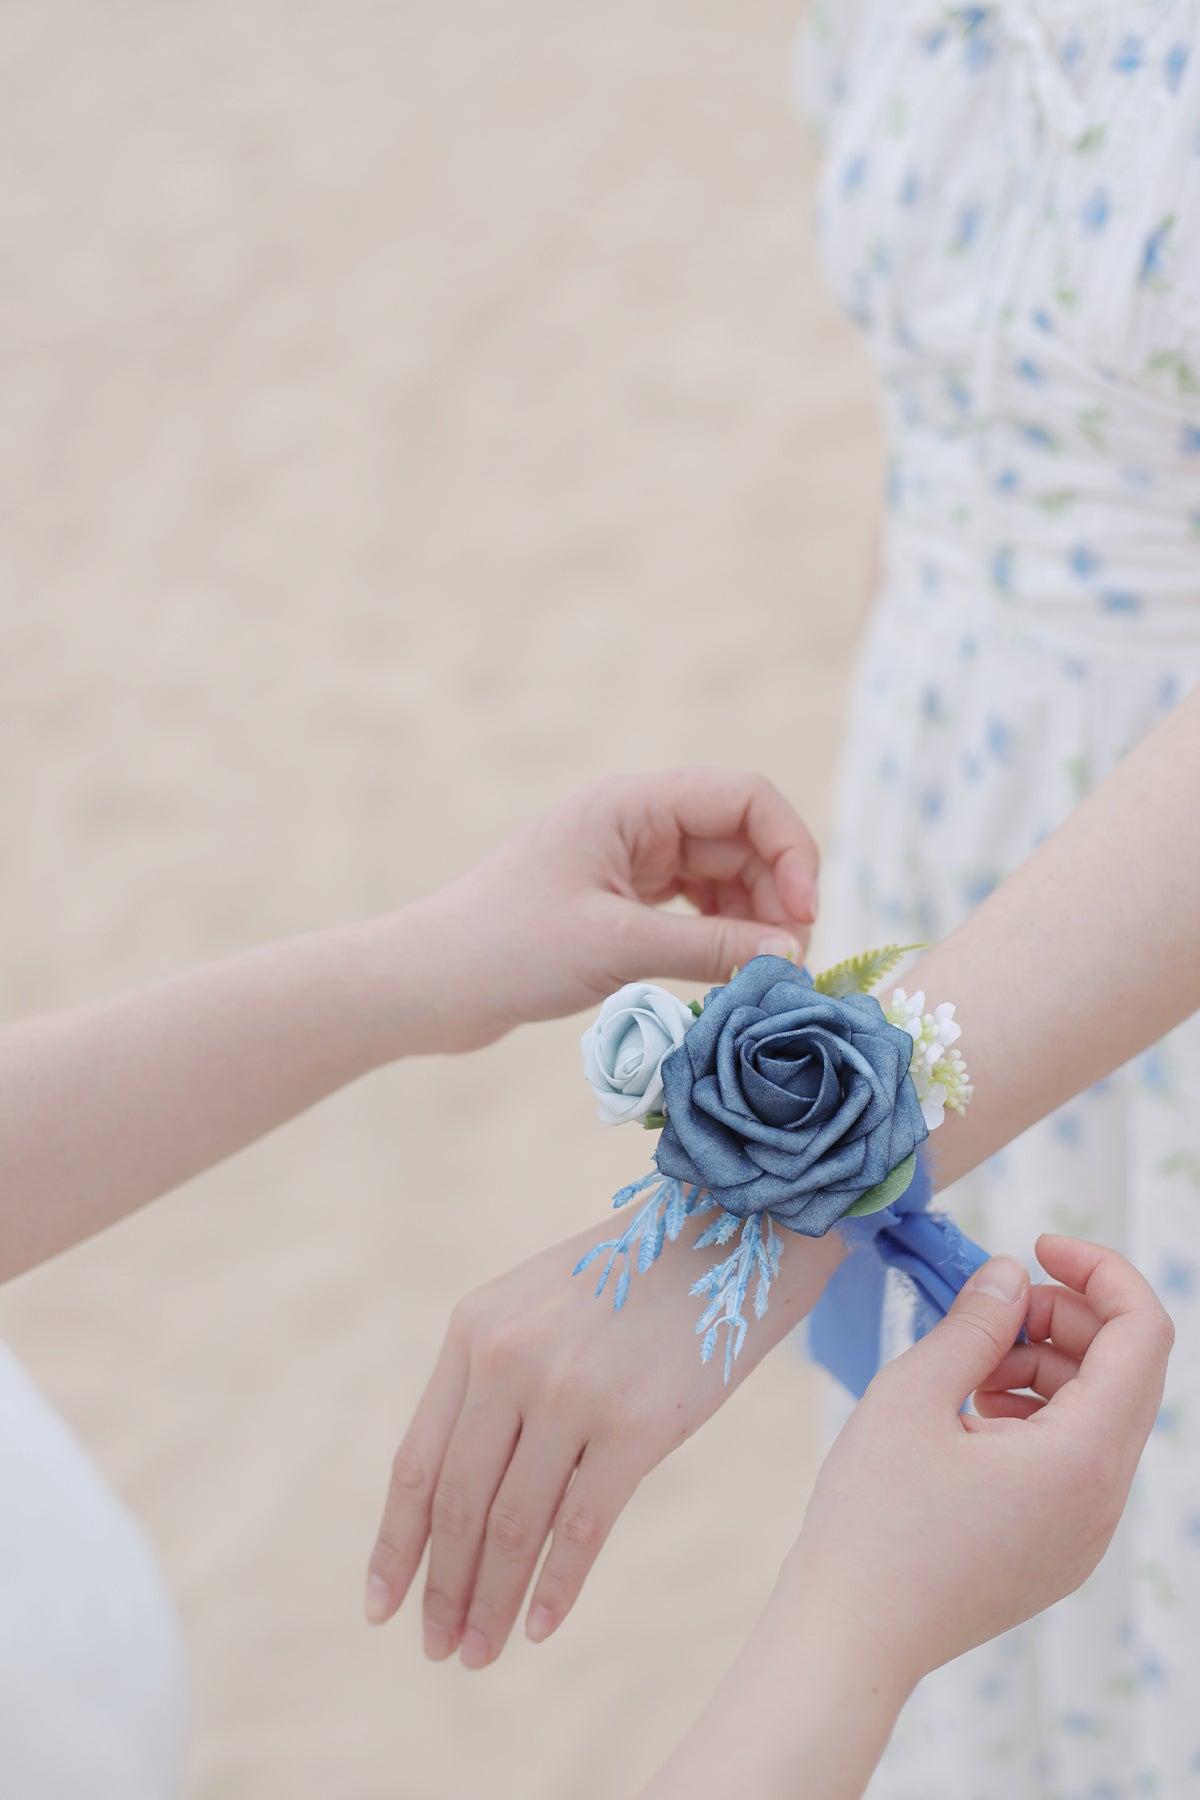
point(539, 1624)
point(377, 1601)
point(438, 1642)
point(779, 945)
point(475, 1649)
point(1001, 1279)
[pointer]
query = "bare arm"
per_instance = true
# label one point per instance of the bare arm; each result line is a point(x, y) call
point(106, 1106)
point(1086, 955)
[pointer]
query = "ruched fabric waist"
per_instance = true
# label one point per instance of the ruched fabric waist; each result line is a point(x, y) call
point(1083, 559)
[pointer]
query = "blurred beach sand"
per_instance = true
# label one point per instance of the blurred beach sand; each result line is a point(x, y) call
point(409, 413)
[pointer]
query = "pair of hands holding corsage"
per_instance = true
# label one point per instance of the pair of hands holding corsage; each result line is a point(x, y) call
point(543, 1412)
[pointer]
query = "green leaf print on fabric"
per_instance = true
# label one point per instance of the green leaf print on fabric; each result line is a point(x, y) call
point(1071, 1221)
point(1056, 501)
point(1078, 770)
point(1122, 1685)
point(1174, 364)
point(1156, 1578)
point(1184, 1163)
point(1091, 140)
point(1000, 1750)
point(1091, 422)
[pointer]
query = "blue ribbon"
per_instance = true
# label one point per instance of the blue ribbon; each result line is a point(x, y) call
point(845, 1328)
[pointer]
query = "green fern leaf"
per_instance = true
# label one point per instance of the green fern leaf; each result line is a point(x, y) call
point(859, 974)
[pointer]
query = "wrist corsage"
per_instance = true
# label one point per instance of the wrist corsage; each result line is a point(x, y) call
point(786, 1102)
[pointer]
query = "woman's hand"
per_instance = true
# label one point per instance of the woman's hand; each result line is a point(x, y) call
point(930, 1530)
point(936, 1529)
point(569, 908)
point(544, 1411)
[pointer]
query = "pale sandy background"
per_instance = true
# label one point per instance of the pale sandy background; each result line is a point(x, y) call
point(408, 411)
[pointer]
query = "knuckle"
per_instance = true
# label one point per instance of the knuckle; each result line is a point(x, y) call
point(721, 946)
point(566, 1388)
point(643, 1437)
point(597, 799)
point(464, 1317)
point(1164, 1329)
point(388, 1555)
point(451, 1511)
point(579, 1528)
point(492, 1618)
point(557, 1590)
point(507, 1530)
point(625, 1418)
point(980, 1331)
point(443, 1607)
point(409, 1474)
point(501, 1346)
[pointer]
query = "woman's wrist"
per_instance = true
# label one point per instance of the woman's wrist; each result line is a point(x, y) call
point(807, 1707)
point(819, 1603)
point(404, 985)
point(840, 1682)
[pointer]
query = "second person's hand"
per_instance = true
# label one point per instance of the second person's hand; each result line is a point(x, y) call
point(940, 1529)
point(930, 1530)
point(571, 907)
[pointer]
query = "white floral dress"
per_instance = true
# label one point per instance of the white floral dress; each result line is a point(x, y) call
point(1010, 210)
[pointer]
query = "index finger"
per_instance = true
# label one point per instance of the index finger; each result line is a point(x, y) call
point(1125, 1365)
point(404, 1527)
point(728, 803)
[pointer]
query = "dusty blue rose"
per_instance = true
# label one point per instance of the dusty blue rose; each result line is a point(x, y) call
point(784, 1100)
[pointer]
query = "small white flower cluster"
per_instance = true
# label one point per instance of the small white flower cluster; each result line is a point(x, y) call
point(938, 1071)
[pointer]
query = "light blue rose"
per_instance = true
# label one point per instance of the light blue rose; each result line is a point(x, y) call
point(624, 1049)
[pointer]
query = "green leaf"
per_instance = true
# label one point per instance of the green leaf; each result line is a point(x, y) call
point(1090, 423)
point(859, 974)
point(696, 1006)
point(1094, 138)
point(653, 1121)
point(1056, 500)
point(885, 1191)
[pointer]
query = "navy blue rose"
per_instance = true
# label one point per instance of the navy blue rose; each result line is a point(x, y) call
point(784, 1100)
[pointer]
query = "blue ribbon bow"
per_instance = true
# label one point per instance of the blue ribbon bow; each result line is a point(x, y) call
point(845, 1328)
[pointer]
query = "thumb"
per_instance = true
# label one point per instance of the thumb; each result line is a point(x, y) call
point(709, 949)
point(976, 1334)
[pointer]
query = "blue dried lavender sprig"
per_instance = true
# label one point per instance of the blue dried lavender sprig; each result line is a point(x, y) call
point(660, 1219)
point(726, 1284)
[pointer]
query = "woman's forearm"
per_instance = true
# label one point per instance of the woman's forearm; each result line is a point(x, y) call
point(1084, 956)
point(105, 1106)
point(806, 1709)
